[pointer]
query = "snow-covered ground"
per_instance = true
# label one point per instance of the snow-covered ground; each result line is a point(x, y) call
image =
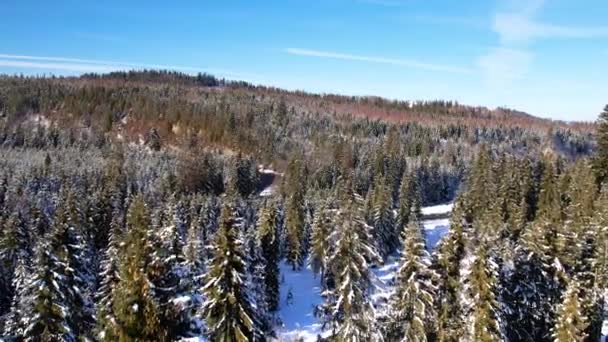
point(434, 231)
point(299, 324)
point(437, 209)
point(270, 188)
point(297, 314)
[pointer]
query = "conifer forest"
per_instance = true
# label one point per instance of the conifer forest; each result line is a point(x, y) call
point(161, 206)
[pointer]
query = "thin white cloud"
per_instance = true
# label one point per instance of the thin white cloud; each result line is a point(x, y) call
point(408, 63)
point(517, 24)
point(501, 66)
point(516, 28)
point(514, 25)
point(93, 65)
point(73, 67)
point(61, 59)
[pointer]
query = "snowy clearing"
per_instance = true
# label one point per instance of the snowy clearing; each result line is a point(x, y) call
point(297, 314)
point(434, 231)
point(438, 209)
point(299, 323)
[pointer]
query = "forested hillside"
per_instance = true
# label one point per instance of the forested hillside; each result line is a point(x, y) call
point(157, 206)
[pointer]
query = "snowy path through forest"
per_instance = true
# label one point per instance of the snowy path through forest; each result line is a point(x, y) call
point(299, 323)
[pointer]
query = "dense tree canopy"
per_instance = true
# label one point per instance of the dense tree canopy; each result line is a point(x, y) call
point(146, 206)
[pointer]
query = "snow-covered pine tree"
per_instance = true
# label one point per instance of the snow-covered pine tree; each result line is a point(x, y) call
point(412, 314)
point(111, 199)
point(73, 249)
point(534, 285)
point(194, 248)
point(570, 323)
point(227, 309)
point(448, 262)
point(109, 278)
point(518, 197)
point(320, 247)
point(256, 280)
point(137, 313)
point(268, 239)
point(352, 314)
point(484, 317)
point(244, 176)
point(295, 216)
point(209, 214)
point(169, 274)
point(600, 161)
point(14, 244)
point(294, 227)
point(600, 259)
point(21, 278)
point(408, 192)
point(368, 206)
point(528, 312)
point(172, 228)
point(47, 311)
point(578, 241)
point(193, 264)
point(479, 180)
point(383, 219)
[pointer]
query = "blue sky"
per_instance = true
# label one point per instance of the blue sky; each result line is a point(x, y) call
point(546, 57)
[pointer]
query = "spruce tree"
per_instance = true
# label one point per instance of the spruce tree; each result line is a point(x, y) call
point(352, 314)
point(18, 310)
point(71, 245)
point(409, 196)
point(600, 161)
point(168, 272)
point(227, 309)
point(106, 319)
point(579, 243)
point(448, 262)
point(484, 320)
point(295, 230)
point(256, 281)
point(295, 217)
point(137, 313)
point(412, 312)
point(479, 180)
point(14, 245)
point(529, 297)
point(194, 248)
point(48, 312)
point(245, 177)
point(534, 286)
point(571, 322)
point(387, 239)
point(268, 237)
point(600, 223)
point(320, 246)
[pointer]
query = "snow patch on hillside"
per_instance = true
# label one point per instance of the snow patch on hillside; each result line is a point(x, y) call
point(267, 192)
point(39, 120)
